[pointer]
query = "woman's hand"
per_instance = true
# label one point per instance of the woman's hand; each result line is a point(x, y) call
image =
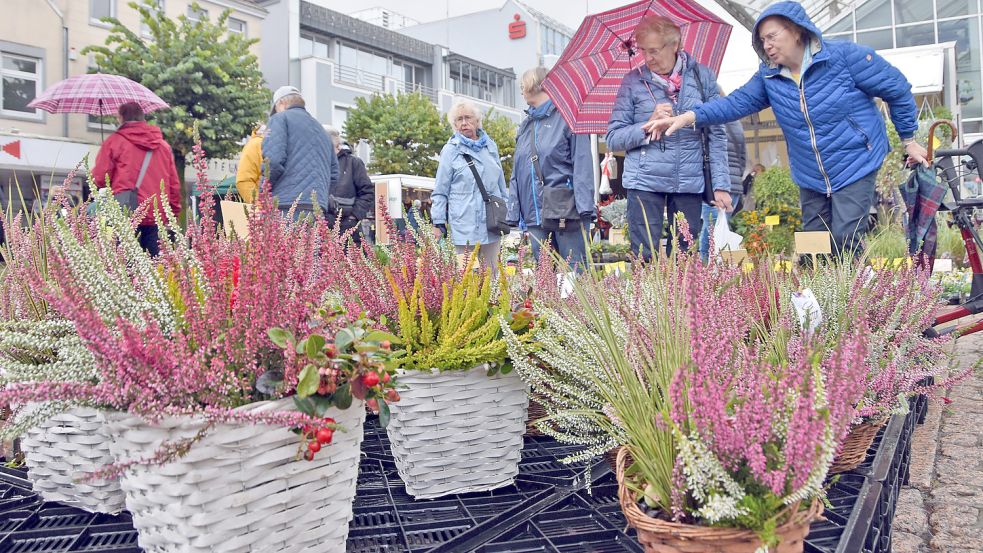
point(668, 125)
point(721, 198)
point(916, 153)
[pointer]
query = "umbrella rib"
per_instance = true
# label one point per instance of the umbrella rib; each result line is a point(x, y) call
point(587, 56)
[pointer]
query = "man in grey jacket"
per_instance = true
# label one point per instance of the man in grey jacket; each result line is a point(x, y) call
point(303, 164)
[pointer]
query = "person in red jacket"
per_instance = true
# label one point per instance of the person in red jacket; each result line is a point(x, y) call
point(120, 160)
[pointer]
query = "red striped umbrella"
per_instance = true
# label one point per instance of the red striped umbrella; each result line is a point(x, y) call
point(96, 94)
point(585, 80)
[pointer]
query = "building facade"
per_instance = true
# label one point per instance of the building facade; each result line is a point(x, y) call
point(40, 47)
point(335, 58)
point(514, 35)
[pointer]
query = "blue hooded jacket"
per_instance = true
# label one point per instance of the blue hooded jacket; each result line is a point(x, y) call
point(302, 158)
point(564, 157)
point(456, 199)
point(678, 169)
point(833, 129)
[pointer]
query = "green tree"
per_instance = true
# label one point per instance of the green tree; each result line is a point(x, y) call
point(501, 129)
point(204, 72)
point(406, 132)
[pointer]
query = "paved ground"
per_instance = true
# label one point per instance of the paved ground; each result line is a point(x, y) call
point(941, 509)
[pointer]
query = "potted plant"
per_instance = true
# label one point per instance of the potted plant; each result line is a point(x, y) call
point(458, 426)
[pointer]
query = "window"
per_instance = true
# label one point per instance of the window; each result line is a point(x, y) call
point(955, 8)
point(197, 14)
point(339, 115)
point(101, 8)
point(314, 46)
point(878, 40)
point(20, 82)
point(916, 35)
point(873, 14)
point(238, 27)
point(912, 11)
point(844, 25)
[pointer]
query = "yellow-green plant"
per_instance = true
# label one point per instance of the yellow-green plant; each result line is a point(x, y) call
point(466, 331)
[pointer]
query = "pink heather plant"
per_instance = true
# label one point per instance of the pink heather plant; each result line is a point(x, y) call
point(755, 432)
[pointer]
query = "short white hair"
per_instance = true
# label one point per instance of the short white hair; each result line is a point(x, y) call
point(459, 106)
point(333, 134)
point(532, 80)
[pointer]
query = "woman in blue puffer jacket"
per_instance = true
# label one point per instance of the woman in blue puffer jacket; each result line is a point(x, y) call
point(665, 174)
point(822, 94)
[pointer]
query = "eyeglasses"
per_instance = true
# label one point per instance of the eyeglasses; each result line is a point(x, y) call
point(771, 37)
point(653, 52)
point(462, 118)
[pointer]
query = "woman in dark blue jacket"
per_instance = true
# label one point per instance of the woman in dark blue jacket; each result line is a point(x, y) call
point(565, 161)
point(822, 94)
point(665, 175)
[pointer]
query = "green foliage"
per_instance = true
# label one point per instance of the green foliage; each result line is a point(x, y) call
point(501, 129)
point(950, 241)
point(205, 73)
point(406, 132)
point(465, 333)
point(887, 241)
point(779, 239)
point(775, 188)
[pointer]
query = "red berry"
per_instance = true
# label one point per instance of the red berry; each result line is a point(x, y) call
point(370, 378)
point(373, 404)
point(331, 350)
point(386, 378)
point(309, 455)
point(386, 344)
point(314, 447)
point(392, 396)
point(324, 435)
point(528, 304)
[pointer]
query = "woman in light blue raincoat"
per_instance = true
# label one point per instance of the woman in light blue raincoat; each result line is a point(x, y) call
point(458, 208)
point(565, 161)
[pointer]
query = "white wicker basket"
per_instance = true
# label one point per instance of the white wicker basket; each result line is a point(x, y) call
point(241, 488)
point(64, 448)
point(457, 432)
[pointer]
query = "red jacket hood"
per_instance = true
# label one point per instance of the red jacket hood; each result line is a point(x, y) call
point(141, 134)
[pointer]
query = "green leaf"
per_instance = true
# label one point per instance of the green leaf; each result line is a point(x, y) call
point(383, 414)
point(281, 338)
point(343, 339)
point(358, 388)
point(343, 397)
point(315, 342)
point(492, 370)
point(322, 404)
point(302, 347)
point(305, 406)
point(308, 381)
point(506, 367)
point(382, 336)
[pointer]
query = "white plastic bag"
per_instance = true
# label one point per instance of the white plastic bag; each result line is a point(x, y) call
point(723, 237)
point(807, 307)
point(608, 168)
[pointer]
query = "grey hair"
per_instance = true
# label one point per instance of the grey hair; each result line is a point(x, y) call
point(461, 105)
point(661, 26)
point(333, 134)
point(532, 80)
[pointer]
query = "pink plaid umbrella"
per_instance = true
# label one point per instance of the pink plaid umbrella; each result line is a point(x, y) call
point(585, 80)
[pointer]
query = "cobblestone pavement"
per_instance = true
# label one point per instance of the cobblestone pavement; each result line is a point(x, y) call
point(941, 508)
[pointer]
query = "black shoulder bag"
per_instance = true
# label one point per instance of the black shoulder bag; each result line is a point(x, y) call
point(708, 196)
point(495, 209)
point(559, 212)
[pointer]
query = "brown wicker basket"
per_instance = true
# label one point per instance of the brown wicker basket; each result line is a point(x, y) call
point(854, 448)
point(661, 536)
point(536, 411)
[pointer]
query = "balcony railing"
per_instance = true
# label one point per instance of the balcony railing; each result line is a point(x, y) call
point(380, 83)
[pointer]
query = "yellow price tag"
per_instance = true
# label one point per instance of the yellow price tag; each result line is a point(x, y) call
point(617, 267)
point(899, 262)
point(784, 266)
point(747, 267)
point(772, 220)
point(878, 262)
point(510, 270)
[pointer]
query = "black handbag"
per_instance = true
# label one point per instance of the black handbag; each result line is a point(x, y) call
point(708, 197)
point(559, 212)
point(495, 209)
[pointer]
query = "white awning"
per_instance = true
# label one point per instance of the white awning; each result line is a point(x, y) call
point(923, 66)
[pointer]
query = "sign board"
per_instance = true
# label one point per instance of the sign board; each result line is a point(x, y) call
point(942, 266)
point(735, 257)
point(43, 155)
point(813, 243)
point(235, 218)
point(772, 220)
point(381, 195)
point(517, 28)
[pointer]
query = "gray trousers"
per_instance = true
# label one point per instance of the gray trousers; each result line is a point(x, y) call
point(845, 214)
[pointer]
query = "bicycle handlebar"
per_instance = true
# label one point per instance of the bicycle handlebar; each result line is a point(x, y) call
point(951, 152)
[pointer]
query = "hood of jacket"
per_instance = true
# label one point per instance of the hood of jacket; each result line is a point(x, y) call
point(794, 12)
point(141, 134)
point(345, 150)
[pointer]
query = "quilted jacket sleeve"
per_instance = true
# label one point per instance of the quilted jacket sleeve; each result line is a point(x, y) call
point(623, 132)
point(878, 78)
point(442, 187)
point(719, 169)
point(364, 189)
point(750, 98)
point(250, 169)
point(583, 173)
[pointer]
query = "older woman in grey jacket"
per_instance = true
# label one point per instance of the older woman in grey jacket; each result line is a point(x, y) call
point(458, 208)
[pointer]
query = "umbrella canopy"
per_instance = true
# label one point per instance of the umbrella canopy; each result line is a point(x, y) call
point(96, 94)
point(585, 80)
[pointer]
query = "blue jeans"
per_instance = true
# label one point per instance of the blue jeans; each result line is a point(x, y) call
point(570, 244)
point(645, 216)
point(708, 219)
